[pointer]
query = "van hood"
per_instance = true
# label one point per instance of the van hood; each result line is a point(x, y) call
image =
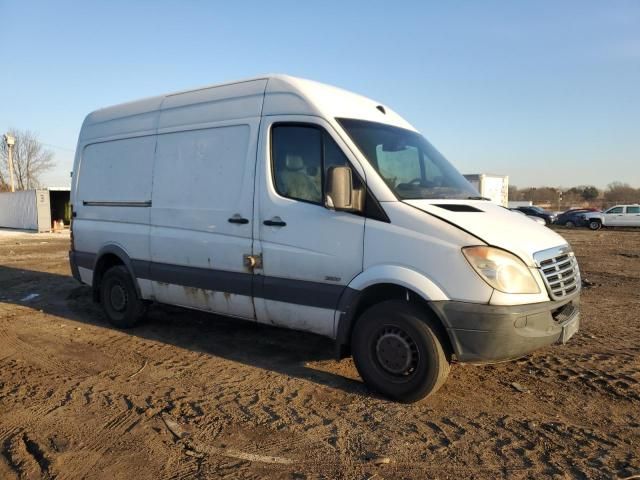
point(494, 225)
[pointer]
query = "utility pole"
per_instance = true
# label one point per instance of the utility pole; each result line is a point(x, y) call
point(559, 198)
point(11, 141)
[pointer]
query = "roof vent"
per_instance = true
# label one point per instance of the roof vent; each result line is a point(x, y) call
point(381, 108)
point(457, 207)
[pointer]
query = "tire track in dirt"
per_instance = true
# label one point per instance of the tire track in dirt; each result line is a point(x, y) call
point(26, 456)
point(24, 349)
point(69, 391)
point(107, 433)
point(621, 379)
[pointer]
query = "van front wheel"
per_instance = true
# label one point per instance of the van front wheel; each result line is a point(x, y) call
point(397, 352)
point(119, 298)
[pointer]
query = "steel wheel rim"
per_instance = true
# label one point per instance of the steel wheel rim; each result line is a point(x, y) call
point(396, 352)
point(118, 297)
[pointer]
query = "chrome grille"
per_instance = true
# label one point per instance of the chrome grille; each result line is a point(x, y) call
point(559, 269)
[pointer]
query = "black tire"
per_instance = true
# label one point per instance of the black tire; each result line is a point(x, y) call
point(398, 353)
point(595, 224)
point(569, 224)
point(120, 302)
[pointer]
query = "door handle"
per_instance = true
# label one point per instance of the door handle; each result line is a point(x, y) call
point(275, 222)
point(238, 219)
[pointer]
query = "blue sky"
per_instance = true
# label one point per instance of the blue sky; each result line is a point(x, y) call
point(546, 92)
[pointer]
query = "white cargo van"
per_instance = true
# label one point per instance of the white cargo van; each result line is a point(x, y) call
point(296, 204)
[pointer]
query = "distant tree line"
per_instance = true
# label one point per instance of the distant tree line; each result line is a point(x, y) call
point(579, 196)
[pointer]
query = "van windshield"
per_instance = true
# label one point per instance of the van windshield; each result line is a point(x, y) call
point(407, 162)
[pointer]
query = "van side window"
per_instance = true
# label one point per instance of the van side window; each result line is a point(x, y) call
point(297, 162)
point(635, 210)
point(301, 157)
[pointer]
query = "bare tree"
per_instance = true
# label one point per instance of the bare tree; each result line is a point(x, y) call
point(30, 161)
point(539, 194)
point(621, 192)
point(514, 193)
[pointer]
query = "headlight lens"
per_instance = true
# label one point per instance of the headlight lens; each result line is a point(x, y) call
point(502, 270)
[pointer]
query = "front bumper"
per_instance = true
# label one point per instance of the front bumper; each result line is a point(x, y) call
point(489, 333)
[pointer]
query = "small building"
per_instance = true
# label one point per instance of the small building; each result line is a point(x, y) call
point(35, 209)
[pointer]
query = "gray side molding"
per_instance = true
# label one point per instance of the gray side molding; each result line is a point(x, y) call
point(73, 264)
point(124, 258)
point(347, 306)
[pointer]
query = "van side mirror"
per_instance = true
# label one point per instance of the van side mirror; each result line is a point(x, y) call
point(340, 195)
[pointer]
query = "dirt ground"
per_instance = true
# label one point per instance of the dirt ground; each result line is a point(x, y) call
point(191, 395)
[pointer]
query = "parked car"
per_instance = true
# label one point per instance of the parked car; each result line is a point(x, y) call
point(538, 220)
point(296, 204)
point(534, 211)
point(530, 217)
point(574, 217)
point(618, 216)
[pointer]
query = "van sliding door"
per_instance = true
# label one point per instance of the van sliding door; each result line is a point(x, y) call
point(201, 217)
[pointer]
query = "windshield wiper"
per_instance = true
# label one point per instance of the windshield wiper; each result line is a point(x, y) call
point(478, 198)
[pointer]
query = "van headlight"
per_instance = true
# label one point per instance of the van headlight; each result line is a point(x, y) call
point(500, 269)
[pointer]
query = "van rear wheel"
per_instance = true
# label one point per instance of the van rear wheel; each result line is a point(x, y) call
point(119, 299)
point(398, 353)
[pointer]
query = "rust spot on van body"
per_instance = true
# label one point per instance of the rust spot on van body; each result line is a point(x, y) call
point(190, 291)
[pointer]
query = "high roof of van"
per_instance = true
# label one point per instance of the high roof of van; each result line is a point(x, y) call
point(264, 95)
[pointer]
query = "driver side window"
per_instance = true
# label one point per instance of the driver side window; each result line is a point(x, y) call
point(301, 155)
point(297, 162)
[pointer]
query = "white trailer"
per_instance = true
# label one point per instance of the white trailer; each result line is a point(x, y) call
point(520, 203)
point(26, 210)
point(493, 187)
point(35, 209)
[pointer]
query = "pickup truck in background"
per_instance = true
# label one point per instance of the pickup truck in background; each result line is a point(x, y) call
point(618, 216)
